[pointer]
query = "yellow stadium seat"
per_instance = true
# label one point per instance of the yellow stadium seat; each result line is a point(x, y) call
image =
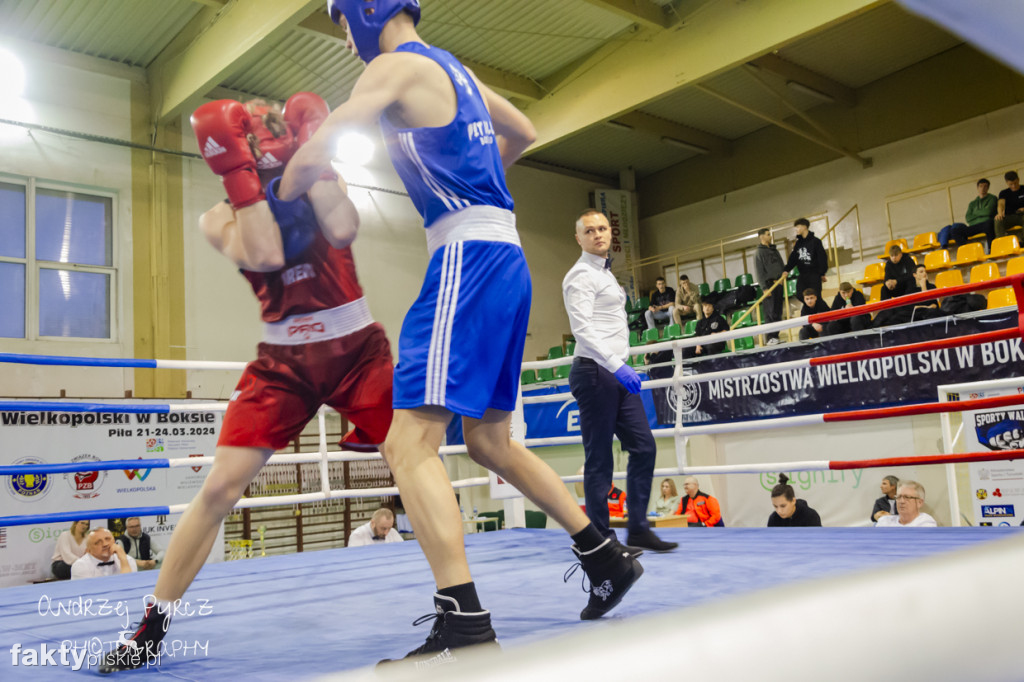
point(876, 294)
point(1000, 298)
point(949, 278)
point(1005, 246)
point(902, 243)
point(937, 260)
point(874, 272)
point(984, 272)
point(969, 253)
point(926, 241)
point(1015, 266)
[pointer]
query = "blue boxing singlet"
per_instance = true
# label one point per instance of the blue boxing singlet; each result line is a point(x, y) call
point(453, 166)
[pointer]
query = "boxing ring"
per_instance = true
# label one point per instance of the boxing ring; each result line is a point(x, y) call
point(732, 602)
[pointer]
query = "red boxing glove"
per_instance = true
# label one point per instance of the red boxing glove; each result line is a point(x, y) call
point(276, 142)
point(222, 129)
point(304, 112)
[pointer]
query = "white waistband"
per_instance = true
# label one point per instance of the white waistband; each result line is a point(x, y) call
point(476, 223)
point(321, 325)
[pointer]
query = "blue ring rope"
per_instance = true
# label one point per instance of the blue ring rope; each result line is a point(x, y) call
point(120, 512)
point(76, 361)
point(14, 470)
point(56, 406)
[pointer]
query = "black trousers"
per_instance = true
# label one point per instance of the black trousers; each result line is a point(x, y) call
point(607, 409)
point(804, 282)
point(773, 307)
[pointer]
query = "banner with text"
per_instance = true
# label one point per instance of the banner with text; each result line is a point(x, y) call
point(618, 205)
point(59, 437)
point(997, 487)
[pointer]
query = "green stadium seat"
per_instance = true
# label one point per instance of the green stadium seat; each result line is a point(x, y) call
point(546, 374)
point(634, 338)
point(528, 377)
point(745, 323)
point(690, 329)
point(791, 288)
point(643, 304)
point(562, 371)
point(650, 336)
point(746, 343)
point(556, 352)
point(746, 279)
point(703, 289)
point(673, 331)
point(723, 285)
point(570, 347)
point(636, 361)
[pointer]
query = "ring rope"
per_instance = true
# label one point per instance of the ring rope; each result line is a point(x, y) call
point(147, 408)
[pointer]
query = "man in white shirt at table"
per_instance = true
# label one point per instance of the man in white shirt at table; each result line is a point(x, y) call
point(102, 557)
point(378, 530)
point(909, 500)
point(606, 389)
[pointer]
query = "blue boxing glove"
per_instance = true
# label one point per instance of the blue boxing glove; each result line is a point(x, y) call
point(628, 378)
point(295, 219)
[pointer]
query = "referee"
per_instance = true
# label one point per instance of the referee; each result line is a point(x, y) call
point(606, 389)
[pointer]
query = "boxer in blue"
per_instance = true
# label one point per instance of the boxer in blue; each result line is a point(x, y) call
point(450, 139)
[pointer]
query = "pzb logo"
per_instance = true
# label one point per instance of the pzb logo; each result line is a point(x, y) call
point(85, 484)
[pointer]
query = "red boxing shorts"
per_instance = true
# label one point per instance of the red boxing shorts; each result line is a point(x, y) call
point(282, 389)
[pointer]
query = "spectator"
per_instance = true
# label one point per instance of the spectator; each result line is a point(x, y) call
point(790, 511)
point(668, 502)
point(809, 256)
point(1010, 207)
point(924, 310)
point(711, 323)
point(70, 546)
point(899, 273)
point(848, 297)
point(139, 545)
point(699, 508)
point(812, 305)
point(687, 301)
point(768, 268)
point(909, 501)
point(102, 557)
point(886, 504)
point(663, 299)
point(378, 530)
point(980, 214)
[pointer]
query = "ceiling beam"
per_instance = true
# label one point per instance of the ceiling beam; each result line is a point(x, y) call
point(216, 4)
point(643, 12)
point(795, 73)
point(569, 172)
point(504, 83)
point(210, 47)
point(55, 55)
point(624, 76)
point(660, 127)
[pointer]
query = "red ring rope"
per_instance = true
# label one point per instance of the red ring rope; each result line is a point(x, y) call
point(936, 344)
point(928, 459)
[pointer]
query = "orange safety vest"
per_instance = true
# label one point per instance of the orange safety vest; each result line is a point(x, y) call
point(616, 502)
point(701, 508)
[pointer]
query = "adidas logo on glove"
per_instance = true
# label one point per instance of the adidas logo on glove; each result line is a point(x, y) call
point(211, 148)
point(268, 161)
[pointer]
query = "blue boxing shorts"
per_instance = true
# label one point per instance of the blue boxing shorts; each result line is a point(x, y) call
point(461, 345)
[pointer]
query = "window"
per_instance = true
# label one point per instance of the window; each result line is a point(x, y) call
point(57, 270)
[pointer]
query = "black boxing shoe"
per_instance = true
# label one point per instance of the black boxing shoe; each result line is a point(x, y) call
point(612, 571)
point(453, 630)
point(648, 540)
point(143, 647)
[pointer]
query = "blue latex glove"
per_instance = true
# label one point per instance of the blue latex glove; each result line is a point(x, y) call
point(628, 378)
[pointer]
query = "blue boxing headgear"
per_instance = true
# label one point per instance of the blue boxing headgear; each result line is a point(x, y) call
point(366, 19)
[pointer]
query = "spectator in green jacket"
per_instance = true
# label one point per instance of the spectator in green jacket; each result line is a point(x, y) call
point(980, 219)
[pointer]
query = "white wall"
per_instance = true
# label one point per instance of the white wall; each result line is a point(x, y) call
point(67, 98)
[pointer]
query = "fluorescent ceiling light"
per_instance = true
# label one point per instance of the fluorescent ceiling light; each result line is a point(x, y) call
point(808, 90)
point(696, 148)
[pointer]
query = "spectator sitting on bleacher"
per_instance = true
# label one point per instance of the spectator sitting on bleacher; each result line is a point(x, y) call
point(809, 256)
point(712, 323)
point(899, 273)
point(848, 297)
point(925, 310)
point(1010, 207)
point(687, 301)
point(663, 299)
point(812, 304)
point(980, 218)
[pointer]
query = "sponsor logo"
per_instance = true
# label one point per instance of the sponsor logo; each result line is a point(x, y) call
point(953, 397)
point(990, 511)
point(997, 493)
point(29, 486)
point(685, 398)
point(142, 475)
point(154, 445)
point(981, 493)
point(3, 537)
point(306, 330)
point(85, 484)
point(1005, 434)
point(198, 468)
point(212, 149)
point(268, 161)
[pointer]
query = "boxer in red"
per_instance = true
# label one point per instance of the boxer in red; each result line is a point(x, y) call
point(320, 344)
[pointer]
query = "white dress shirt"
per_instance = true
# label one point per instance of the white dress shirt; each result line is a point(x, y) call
point(596, 305)
point(893, 521)
point(363, 535)
point(88, 566)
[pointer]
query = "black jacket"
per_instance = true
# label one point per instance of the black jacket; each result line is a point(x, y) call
point(712, 325)
point(903, 273)
point(803, 516)
point(144, 548)
point(838, 303)
point(768, 265)
point(809, 255)
point(881, 504)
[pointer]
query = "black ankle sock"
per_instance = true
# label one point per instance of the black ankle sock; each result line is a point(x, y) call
point(465, 594)
point(589, 538)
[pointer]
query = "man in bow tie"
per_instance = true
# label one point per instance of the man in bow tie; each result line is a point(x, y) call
point(102, 557)
point(606, 389)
